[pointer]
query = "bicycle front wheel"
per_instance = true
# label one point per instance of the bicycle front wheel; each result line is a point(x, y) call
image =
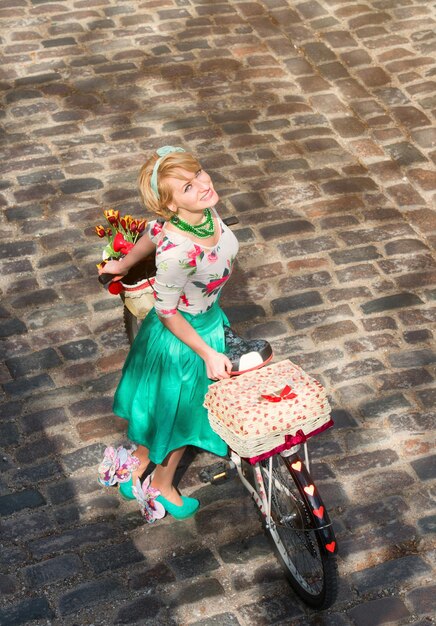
point(304, 543)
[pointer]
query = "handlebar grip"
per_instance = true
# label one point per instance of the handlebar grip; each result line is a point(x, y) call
point(105, 278)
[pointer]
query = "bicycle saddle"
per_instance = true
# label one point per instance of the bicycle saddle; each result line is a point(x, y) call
point(246, 354)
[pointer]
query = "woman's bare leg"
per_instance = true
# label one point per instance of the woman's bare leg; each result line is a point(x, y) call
point(164, 475)
point(141, 453)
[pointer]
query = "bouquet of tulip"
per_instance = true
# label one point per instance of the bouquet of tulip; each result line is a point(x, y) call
point(121, 234)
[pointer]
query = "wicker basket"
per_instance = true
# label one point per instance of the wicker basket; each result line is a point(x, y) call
point(139, 298)
point(261, 410)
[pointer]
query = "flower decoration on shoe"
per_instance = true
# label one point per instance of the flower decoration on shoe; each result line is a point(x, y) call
point(117, 466)
point(146, 496)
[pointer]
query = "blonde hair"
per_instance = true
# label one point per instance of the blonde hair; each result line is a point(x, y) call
point(168, 168)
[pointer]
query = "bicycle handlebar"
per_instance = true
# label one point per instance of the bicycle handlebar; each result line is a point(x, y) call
point(105, 278)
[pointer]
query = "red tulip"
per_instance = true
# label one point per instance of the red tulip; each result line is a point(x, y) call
point(113, 217)
point(100, 231)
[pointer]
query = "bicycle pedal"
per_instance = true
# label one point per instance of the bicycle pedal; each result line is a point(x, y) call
point(216, 473)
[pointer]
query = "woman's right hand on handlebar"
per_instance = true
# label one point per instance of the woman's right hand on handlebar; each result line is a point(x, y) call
point(115, 268)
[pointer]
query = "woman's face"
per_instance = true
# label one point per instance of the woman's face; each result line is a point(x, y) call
point(192, 194)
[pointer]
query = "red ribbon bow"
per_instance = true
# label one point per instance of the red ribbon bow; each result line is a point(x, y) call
point(285, 394)
point(121, 245)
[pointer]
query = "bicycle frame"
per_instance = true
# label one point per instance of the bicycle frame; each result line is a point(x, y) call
point(263, 501)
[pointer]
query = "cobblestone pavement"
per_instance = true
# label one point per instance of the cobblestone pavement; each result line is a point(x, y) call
point(315, 119)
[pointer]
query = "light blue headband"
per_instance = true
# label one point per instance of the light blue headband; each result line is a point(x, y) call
point(162, 152)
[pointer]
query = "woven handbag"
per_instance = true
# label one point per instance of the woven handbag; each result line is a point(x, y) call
point(279, 405)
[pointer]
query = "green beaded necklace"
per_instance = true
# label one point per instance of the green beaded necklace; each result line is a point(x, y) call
point(203, 230)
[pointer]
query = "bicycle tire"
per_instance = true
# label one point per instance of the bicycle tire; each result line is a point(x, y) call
point(304, 544)
point(131, 324)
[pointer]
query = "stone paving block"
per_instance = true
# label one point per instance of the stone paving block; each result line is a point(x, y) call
point(26, 525)
point(319, 317)
point(193, 564)
point(374, 483)
point(89, 594)
point(405, 379)
point(40, 448)
point(9, 434)
point(264, 574)
point(53, 570)
point(38, 361)
point(270, 610)
point(64, 490)
point(197, 591)
point(246, 550)
point(152, 578)
point(8, 585)
point(139, 609)
point(291, 303)
point(83, 457)
point(354, 370)
point(28, 498)
point(43, 419)
point(391, 403)
point(33, 474)
point(425, 468)
point(427, 525)
point(390, 574)
point(71, 539)
point(26, 611)
point(375, 513)
point(391, 302)
point(382, 611)
point(113, 557)
point(422, 600)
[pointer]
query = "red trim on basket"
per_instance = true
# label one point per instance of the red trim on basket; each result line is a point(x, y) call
point(148, 282)
point(290, 441)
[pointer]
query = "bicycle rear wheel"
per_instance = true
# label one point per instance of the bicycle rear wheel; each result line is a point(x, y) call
point(304, 543)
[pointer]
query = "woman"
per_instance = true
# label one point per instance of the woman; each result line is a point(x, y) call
point(180, 346)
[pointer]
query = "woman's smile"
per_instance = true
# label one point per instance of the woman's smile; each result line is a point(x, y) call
point(207, 196)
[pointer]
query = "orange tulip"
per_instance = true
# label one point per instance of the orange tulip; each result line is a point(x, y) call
point(100, 231)
point(141, 225)
point(133, 226)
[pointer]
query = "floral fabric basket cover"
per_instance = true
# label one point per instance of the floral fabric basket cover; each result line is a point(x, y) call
point(278, 405)
point(139, 298)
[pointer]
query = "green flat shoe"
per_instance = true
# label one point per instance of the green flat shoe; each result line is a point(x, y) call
point(187, 509)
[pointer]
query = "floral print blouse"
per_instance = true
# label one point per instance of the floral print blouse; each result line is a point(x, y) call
point(189, 276)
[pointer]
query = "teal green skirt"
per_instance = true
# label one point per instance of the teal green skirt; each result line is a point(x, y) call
point(163, 384)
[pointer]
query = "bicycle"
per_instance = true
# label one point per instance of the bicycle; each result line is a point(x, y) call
point(294, 516)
